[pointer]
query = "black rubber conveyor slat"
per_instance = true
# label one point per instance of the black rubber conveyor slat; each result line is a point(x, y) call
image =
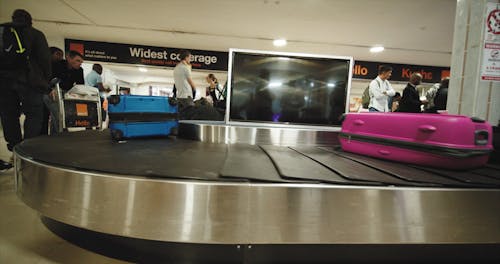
point(349, 168)
point(404, 171)
point(494, 166)
point(464, 176)
point(153, 157)
point(487, 171)
point(294, 165)
point(250, 162)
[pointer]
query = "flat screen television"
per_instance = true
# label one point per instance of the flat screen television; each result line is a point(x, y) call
point(287, 88)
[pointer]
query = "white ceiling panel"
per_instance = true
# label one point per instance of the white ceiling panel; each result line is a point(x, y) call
point(413, 32)
point(51, 10)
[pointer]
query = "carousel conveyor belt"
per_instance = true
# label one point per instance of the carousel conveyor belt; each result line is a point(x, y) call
point(175, 158)
point(230, 195)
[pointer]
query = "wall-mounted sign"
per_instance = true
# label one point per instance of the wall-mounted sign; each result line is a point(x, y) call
point(400, 72)
point(145, 55)
point(217, 60)
point(490, 67)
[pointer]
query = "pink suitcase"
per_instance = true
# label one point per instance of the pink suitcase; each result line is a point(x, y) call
point(444, 141)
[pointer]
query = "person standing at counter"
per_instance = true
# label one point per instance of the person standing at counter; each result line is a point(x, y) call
point(183, 81)
point(380, 89)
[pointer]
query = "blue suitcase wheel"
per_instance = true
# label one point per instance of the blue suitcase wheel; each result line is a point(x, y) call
point(172, 101)
point(174, 131)
point(116, 134)
point(114, 99)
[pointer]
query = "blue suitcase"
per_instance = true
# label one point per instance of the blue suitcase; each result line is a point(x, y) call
point(142, 116)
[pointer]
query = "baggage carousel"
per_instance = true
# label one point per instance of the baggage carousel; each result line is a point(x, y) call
point(246, 194)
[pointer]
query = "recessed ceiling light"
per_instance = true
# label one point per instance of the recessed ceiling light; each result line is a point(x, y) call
point(275, 84)
point(330, 85)
point(279, 42)
point(377, 49)
point(142, 69)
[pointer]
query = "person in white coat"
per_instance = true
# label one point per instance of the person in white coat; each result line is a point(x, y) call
point(380, 90)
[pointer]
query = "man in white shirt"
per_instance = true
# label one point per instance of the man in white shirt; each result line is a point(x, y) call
point(183, 82)
point(380, 90)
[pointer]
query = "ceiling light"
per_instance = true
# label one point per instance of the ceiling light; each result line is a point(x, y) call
point(142, 69)
point(330, 85)
point(377, 49)
point(275, 84)
point(279, 42)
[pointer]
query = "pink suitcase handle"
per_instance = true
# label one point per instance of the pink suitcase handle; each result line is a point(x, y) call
point(359, 122)
point(427, 128)
point(384, 152)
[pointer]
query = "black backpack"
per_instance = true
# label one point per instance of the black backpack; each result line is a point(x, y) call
point(13, 53)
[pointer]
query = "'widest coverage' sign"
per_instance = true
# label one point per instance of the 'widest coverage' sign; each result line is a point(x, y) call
point(217, 60)
point(146, 55)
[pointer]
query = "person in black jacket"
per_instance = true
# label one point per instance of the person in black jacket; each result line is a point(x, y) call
point(441, 98)
point(22, 88)
point(69, 72)
point(410, 102)
point(56, 55)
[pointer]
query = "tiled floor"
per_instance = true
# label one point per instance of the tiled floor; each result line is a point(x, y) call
point(23, 237)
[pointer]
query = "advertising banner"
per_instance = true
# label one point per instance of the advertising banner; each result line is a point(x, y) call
point(400, 72)
point(217, 60)
point(145, 55)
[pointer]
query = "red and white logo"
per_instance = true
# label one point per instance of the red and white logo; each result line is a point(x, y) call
point(493, 21)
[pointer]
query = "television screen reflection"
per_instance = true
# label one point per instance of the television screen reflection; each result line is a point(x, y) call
point(288, 89)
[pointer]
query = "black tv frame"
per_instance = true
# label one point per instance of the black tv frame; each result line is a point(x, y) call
point(232, 53)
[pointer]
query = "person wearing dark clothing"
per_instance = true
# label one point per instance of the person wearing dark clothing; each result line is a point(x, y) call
point(69, 70)
point(212, 88)
point(69, 73)
point(56, 55)
point(394, 102)
point(23, 87)
point(410, 102)
point(441, 98)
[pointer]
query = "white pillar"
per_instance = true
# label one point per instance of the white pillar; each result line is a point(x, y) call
point(468, 94)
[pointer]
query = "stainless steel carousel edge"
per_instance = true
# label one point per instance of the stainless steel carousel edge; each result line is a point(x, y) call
point(254, 134)
point(230, 213)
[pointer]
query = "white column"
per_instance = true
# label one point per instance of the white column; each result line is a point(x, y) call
point(468, 94)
